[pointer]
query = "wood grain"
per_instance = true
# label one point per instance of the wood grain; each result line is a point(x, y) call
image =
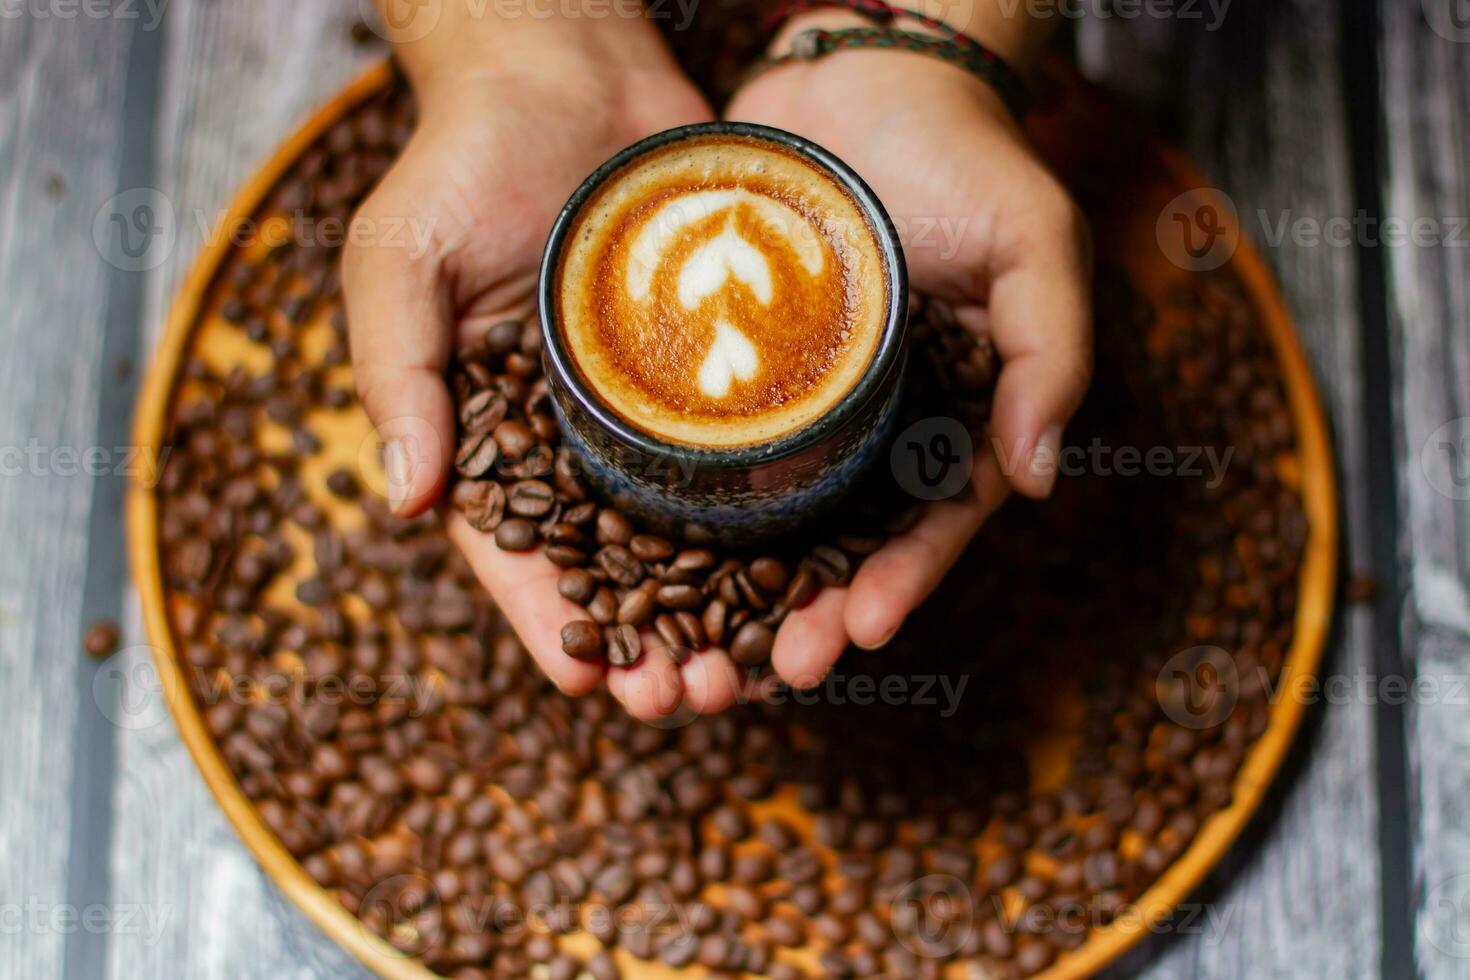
point(58, 165)
point(238, 78)
point(1258, 103)
point(1426, 77)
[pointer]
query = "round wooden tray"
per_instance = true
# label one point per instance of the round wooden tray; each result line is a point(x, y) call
point(1091, 144)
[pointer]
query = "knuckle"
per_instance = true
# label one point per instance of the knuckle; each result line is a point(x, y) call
point(1060, 210)
point(1080, 372)
point(353, 251)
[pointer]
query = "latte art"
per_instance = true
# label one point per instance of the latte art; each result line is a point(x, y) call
point(721, 291)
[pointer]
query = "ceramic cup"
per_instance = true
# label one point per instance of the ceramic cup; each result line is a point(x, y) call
point(747, 494)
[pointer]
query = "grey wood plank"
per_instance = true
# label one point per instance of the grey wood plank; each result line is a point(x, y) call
point(105, 583)
point(1426, 79)
point(58, 163)
point(238, 79)
point(1258, 103)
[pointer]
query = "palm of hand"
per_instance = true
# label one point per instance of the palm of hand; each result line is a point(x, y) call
point(492, 179)
point(928, 140)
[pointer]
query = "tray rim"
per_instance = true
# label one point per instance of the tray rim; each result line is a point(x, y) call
point(1313, 622)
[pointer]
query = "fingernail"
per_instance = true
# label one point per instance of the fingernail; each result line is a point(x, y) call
point(396, 468)
point(886, 639)
point(1044, 459)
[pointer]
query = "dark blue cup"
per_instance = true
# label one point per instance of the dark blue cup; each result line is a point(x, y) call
point(747, 494)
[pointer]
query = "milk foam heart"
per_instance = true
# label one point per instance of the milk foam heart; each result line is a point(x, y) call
point(731, 356)
point(721, 291)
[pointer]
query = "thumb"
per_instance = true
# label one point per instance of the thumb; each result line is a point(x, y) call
point(401, 332)
point(1040, 316)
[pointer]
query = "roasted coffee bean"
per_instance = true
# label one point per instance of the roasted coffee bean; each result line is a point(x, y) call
point(637, 608)
point(799, 866)
point(650, 548)
point(341, 483)
point(801, 590)
point(1002, 871)
point(695, 560)
point(829, 564)
point(712, 620)
point(747, 903)
point(515, 439)
point(581, 515)
point(807, 899)
point(581, 639)
point(714, 863)
point(604, 606)
point(751, 786)
point(477, 454)
point(1033, 957)
point(778, 835)
point(613, 528)
point(714, 951)
point(831, 929)
point(679, 950)
point(693, 629)
point(668, 630)
point(544, 426)
point(752, 868)
point(530, 498)
point(750, 595)
point(515, 534)
point(568, 534)
point(568, 480)
point(679, 597)
point(504, 336)
point(752, 645)
point(770, 574)
point(834, 963)
point(620, 565)
point(564, 556)
point(860, 544)
point(730, 822)
point(483, 411)
point(577, 585)
point(521, 365)
point(101, 638)
point(602, 967)
point(624, 645)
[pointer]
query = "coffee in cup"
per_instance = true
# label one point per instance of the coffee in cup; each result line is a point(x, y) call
point(723, 308)
point(722, 291)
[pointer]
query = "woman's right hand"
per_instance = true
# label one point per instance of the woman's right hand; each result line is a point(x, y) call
point(513, 115)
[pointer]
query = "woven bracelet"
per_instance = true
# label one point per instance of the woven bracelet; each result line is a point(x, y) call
point(952, 46)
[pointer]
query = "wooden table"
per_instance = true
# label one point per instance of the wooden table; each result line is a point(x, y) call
point(114, 859)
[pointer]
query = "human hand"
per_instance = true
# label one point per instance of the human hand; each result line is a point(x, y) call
point(987, 229)
point(512, 117)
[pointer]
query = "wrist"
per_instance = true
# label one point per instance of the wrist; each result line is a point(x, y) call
point(1012, 35)
point(1008, 30)
point(915, 78)
point(459, 42)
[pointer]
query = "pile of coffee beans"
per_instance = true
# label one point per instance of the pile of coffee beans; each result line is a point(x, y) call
point(1013, 771)
point(519, 483)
